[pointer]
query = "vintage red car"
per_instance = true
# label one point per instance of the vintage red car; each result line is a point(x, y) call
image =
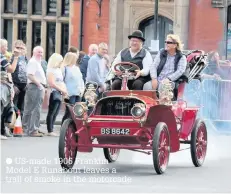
point(138, 121)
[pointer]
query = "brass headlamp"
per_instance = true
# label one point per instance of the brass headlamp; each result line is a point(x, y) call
point(80, 109)
point(90, 94)
point(138, 110)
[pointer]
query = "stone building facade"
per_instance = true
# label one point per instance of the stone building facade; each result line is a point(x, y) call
point(120, 17)
point(56, 24)
point(200, 23)
point(37, 22)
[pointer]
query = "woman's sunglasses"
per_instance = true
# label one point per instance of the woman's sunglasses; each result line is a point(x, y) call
point(18, 47)
point(170, 42)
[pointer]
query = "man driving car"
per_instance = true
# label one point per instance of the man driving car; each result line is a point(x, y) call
point(169, 64)
point(135, 54)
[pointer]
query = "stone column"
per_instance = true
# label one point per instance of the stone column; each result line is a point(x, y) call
point(58, 28)
point(44, 28)
point(15, 7)
point(44, 8)
point(15, 23)
point(59, 9)
point(120, 26)
point(126, 23)
point(2, 6)
point(116, 22)
point(29, 31)
point(29, 7)
point(112, 28)
point(2, 24)
point(44, 37)
point(181, 20)
point(15, 31)
point(58, 37)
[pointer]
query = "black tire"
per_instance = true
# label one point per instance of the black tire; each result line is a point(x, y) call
point(110, 157)
point(161, 127)
point(197, 144)
point(67, 115)
point(65, 162)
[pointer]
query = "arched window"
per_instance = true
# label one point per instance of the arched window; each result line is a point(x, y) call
point(165, 27)
point(229, 33)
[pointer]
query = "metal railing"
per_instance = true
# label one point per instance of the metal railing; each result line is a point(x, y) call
point(216, 100)
point(213, 97)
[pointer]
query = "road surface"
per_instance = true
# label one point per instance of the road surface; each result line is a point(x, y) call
point(31, 165)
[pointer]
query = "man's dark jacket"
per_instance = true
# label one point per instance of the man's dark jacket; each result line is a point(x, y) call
point(83, 67)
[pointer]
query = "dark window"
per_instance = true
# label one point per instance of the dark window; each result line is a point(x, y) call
point(37, 7)
point(165, 26)
point(8, 6)
point(51, 7)
point(7, 32)
point(50, 39)
point(22, 30)
point(22, 6)
point(228, 48)
point(65, 7)
point(65, 39)
point(229, 14)
point(36, 34)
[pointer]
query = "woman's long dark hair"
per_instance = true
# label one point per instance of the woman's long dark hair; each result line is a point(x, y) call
point(81, 55)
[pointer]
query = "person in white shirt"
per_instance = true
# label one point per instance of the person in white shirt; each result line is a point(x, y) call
point(34, 94)
point(135, 54)
point(58, 90)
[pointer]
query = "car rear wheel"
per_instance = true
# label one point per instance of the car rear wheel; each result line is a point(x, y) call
point(161, 148)
point(198, 143)
point(111, 154)
point(67, 147)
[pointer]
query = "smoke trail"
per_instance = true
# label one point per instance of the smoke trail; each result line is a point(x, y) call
point(213, 96)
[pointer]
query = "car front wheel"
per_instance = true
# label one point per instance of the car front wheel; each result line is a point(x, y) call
point(161, 148)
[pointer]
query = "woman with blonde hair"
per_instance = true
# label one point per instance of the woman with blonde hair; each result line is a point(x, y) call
point(73, 79)
point(58, 89)
point(169, 64)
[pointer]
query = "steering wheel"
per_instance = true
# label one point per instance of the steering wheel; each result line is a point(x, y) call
point(128, 67)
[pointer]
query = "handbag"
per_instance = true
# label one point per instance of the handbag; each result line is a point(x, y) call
point(57, 95)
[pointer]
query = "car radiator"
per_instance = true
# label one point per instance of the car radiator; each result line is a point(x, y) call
point(116, 106)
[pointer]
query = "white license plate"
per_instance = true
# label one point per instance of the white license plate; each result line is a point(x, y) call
point(115, 131)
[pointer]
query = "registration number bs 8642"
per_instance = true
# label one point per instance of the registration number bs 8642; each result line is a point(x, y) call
point(115, 131)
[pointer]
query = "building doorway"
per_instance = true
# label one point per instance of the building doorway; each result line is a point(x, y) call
point(165, 27)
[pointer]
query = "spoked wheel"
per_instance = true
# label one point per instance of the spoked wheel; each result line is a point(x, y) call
point(67, 147)
point(198, 143)
point(161, 148)
point(111, 154)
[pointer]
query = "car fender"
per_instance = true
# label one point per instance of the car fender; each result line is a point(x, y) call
point(162, 113)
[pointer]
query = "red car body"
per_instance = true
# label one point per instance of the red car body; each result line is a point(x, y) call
point(160, 130)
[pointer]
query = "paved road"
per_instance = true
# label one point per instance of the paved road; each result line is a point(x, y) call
point(133, 172)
